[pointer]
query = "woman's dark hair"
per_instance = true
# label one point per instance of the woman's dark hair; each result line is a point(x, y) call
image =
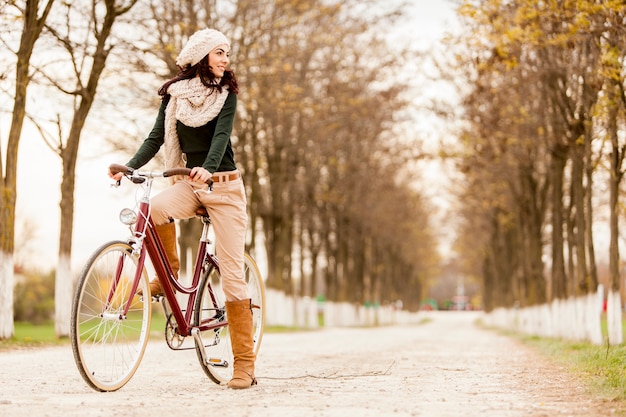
point(203, 70)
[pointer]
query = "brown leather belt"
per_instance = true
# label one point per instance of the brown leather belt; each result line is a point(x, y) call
point(217, 177)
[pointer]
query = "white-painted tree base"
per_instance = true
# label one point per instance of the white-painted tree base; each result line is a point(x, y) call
point(577, 318)
point(63, 297)
point(7, 282)
point(306, 312)
point(614, 317)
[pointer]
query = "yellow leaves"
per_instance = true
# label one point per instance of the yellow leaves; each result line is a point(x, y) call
point(580, 140)
point(510, 24)
point(468, 10)
point(611, 61)
point(581, 20)
point(514, 34)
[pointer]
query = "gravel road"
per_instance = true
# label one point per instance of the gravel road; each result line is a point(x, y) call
point(446, 366)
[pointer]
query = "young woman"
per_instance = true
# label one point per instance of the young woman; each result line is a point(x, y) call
point(194, 123)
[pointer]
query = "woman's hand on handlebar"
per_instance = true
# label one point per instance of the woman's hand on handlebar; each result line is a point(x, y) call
point(199, 174)
point(117, 176)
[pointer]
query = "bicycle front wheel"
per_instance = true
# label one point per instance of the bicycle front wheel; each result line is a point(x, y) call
point(215, 353)
point(108, 345)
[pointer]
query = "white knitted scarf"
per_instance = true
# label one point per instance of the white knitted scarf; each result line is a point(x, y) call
point(194, 105)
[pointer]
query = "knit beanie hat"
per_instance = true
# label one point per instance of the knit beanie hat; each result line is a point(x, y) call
point(199, 45)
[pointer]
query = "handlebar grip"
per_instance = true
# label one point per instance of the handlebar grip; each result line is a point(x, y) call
point(115, 168)
point(176, 171)
point(182, 171)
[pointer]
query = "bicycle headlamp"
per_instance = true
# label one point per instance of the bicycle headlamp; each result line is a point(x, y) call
point(128, 216)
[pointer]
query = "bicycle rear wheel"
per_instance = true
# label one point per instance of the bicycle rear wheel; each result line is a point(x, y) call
point(108, 347)
point(210, 307)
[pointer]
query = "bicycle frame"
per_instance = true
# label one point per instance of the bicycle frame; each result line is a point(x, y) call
point(110, 324)
point(146, 241)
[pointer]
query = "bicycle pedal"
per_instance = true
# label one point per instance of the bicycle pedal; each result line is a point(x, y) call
point(217, 362)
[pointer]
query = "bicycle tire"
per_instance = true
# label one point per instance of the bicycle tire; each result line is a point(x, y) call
point(108, 349)
point(216, 343)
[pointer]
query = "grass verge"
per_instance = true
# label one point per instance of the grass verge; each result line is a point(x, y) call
point(27, 335)
point(602, 368)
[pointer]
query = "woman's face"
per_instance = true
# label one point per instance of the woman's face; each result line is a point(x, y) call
point(218, 60)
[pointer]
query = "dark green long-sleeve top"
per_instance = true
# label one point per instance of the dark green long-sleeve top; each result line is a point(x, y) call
point(207, 146)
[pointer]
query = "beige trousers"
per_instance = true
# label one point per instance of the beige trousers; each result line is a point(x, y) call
point(226, 205)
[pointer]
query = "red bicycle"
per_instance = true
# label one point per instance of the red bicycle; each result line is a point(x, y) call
point(111, 322)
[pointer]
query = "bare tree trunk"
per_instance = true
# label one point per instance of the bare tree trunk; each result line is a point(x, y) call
point(579, 222)
point(33, 24)
point(572, 288)
point(614, 306)
point(86, 95)
point(594, 328)
point(530, 222)
point(557, 167)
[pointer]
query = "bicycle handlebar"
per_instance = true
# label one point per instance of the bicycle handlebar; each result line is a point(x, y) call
point(138, 177)
point(116, 168)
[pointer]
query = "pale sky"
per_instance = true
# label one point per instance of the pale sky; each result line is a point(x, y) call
point(97, 204)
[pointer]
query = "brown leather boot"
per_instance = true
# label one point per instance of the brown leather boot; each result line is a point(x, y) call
point(239, 316)
point(167, 234)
